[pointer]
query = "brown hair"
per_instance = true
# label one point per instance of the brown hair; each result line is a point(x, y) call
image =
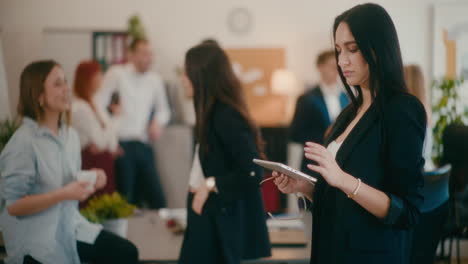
point(324, 56)
point(211, 41)
point(32, 82)
point(415, 83)
point(135, 42)
point(84, 73)
point(210, 72)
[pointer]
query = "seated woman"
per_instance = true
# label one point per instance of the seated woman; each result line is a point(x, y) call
point(39, 191)
point(98, 137)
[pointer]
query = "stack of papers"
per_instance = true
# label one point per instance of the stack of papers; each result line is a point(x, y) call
point(278, 223)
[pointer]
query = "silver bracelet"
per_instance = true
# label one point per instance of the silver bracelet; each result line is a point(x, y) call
point(351, 195)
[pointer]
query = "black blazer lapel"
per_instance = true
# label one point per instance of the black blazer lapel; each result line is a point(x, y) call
point(358, 132)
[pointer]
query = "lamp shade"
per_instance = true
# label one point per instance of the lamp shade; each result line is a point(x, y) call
point(284, 82)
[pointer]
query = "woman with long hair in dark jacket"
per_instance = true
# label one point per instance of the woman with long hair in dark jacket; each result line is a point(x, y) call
point(368, 196)
point(226, 220)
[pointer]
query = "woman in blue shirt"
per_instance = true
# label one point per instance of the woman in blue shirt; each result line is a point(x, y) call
point(39, 192)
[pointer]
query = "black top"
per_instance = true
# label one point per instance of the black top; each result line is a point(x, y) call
point(385, 152)
point(237, 212)
point(231, 149)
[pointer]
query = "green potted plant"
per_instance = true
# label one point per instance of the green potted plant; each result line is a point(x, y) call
point(135, 28)
point(110, 210)
point(7, 129)
point(447, 110)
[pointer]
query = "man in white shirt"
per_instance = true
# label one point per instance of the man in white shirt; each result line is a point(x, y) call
point(144, 111)
point(316, 110)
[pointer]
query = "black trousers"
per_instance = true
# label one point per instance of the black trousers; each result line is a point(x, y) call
point(427, 235)
point(202, 242)
point(108, 248)
point(137, 177)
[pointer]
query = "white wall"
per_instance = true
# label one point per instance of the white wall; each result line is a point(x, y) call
point(302, 26)
point(4, 102)
point(68, 48)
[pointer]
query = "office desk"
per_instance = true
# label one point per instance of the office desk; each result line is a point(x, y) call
point(156, 244)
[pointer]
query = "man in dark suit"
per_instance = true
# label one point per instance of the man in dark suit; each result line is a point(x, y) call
point(316, 109)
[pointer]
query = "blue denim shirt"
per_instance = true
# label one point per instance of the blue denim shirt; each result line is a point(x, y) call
point(35, 161)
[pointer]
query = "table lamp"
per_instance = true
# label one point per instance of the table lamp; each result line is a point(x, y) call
point(284, 82)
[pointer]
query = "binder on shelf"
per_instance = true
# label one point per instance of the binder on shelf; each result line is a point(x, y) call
point(109, 48)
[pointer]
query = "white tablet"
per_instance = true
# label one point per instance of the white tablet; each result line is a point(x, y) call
point(286, 170)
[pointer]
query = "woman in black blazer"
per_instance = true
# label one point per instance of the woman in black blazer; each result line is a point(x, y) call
point(226, 220)
point(367, 198)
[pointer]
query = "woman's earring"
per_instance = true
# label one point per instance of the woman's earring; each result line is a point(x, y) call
point(40, 104)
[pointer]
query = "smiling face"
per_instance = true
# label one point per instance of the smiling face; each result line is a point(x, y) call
point(350, 59)
point(56, 95)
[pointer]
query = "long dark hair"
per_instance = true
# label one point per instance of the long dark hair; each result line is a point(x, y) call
point(376, 37)
point(210, 72)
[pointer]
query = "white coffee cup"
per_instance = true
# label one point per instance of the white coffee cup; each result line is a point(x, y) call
point(88, 176)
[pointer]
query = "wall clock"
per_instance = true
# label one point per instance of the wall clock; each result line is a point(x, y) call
point(240, 21)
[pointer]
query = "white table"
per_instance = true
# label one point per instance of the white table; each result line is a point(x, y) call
point(156, 244)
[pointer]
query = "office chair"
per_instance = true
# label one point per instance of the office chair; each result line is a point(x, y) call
point(434, 213)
